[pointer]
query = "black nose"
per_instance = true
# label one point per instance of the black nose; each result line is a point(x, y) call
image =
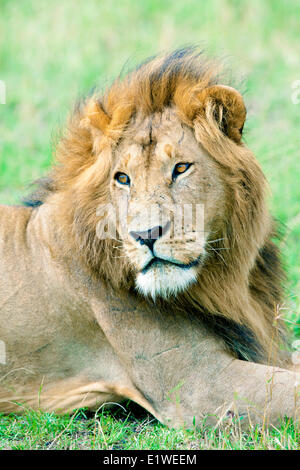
point(149, 237)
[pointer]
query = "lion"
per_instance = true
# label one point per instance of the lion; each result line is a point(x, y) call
point(144, 266)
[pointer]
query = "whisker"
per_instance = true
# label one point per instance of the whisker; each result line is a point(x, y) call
point(221, 248)
point(217, 240)
point(213, 249)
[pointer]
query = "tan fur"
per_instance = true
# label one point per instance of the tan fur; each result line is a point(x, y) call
point(76, 330)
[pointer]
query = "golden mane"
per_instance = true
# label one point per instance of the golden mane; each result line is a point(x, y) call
point(239, 289)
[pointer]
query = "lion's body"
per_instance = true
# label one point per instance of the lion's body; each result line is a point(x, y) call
point(75, 329)
point(47, 320)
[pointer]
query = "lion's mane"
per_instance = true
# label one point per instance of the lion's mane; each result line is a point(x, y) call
point(239, 291)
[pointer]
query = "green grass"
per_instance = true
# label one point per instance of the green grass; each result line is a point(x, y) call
point(52, 52)
point(131, 428)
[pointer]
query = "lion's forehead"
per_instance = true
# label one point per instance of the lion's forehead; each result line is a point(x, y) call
point(145, 129)
point(154, 140)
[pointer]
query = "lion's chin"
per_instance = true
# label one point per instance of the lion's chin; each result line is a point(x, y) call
point(165, 281)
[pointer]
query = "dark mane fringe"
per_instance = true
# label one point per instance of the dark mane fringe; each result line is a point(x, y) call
point(238, 339)
point(37, 197)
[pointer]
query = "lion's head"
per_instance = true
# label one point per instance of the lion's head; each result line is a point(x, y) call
point(167, 182)
point(165, 143)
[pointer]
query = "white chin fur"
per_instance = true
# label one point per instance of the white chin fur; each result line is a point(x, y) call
point(165, 281)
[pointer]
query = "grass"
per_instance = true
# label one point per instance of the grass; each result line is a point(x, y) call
point(132, 429)
point(50, 53)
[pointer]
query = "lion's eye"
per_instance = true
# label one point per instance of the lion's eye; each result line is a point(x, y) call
point(122, 178)
point(180, 168)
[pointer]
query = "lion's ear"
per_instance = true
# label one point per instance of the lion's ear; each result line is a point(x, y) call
point(96, 117)
point(228, 109)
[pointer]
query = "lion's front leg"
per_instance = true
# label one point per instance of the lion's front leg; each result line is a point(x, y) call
point(184, 373)
point(260, 393)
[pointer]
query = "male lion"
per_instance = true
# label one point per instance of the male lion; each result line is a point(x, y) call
point(185, 324)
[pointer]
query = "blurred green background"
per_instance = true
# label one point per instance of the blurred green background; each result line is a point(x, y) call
point(53, 51)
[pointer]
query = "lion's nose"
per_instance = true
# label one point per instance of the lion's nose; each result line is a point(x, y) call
point(149, 237)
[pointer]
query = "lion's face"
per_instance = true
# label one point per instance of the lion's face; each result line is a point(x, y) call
point(173, 197)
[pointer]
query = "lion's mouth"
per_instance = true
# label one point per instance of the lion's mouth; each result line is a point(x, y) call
point(156, 261)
